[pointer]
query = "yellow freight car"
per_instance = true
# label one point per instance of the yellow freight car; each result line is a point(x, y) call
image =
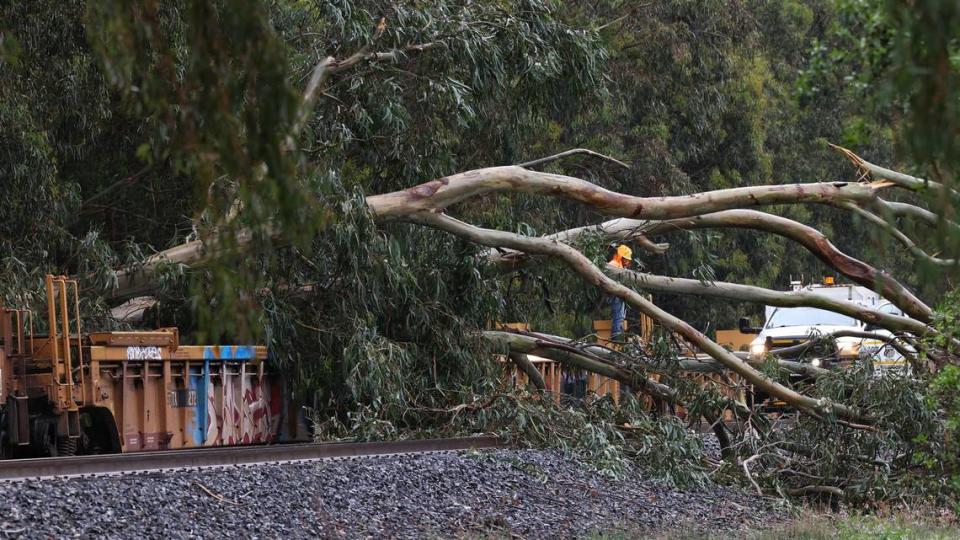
point(67, 392)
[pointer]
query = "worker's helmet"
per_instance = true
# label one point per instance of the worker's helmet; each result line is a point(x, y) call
point(624, 252)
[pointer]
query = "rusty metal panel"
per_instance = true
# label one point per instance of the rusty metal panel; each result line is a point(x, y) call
point(156, 338)
point(224, 399)
point(133, 353)
point(734, 339)
point(162, 399)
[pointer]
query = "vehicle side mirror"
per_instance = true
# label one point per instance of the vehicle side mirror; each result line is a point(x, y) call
point(745, 328)
point(872, 327)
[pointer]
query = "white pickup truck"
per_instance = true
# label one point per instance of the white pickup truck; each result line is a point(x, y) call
point(785, 327)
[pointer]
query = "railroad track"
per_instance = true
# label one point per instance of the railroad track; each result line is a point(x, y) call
point(136, 462)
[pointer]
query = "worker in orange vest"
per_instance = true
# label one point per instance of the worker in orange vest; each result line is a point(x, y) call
point(622, 258)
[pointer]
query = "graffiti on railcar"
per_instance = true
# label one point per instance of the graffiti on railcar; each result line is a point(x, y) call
point(235, 408)
point(143, 353)
point(257, 415)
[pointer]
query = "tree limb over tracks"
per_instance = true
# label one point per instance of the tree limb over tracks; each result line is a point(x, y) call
point(594, 276)
point(641, 218)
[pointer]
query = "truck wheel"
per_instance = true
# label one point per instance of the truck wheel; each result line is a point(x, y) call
point(99, 431)
point(67, 446)
point(43, 436)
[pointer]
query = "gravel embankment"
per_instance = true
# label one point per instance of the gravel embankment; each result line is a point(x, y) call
point(528, 493)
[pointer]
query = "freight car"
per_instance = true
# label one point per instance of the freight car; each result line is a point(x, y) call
point(67, 392)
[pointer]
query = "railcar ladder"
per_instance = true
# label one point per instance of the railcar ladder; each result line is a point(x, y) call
point(18, 347)
point(61, 357)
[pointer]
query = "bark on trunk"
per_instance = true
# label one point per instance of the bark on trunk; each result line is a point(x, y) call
point(441, 193)
point(139, 280)
point(437, 195)
point(526, 366)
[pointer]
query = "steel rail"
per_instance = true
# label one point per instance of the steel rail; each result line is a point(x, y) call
point(107, 464)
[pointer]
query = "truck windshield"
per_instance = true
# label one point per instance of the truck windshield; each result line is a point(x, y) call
point(805, 316)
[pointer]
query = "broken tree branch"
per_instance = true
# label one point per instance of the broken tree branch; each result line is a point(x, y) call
point(901, 209)
point(537, 343)
point(526, 366)
point(579, 359)
point(321, 72)
point(749, 293)
point(813, 240)
point(650, 246)
point(819, 490)
point(437, 195)
point(898, 236)
point(572, 152)
point(894, 341)
point(905, 181)
point(594, 276)
point(518, 342)
point(817, 244)
point(329, 66)
point(746, 470)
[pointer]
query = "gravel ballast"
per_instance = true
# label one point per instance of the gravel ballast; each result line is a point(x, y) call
point(527, 493)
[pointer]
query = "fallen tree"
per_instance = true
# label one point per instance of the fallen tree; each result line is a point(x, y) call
point(439, 194)
point(594, 276)
point(585, 359)
point(424, 204)
point(279, 173)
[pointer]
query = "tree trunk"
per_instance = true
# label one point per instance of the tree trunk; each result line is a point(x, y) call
point(525, 365)
point(437, 195)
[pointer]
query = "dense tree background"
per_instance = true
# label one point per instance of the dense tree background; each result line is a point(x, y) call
point(125, 130)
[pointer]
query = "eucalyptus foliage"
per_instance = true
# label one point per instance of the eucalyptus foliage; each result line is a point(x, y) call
point(127, 128)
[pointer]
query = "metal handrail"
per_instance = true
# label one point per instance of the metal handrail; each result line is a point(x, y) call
point(76, 307)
